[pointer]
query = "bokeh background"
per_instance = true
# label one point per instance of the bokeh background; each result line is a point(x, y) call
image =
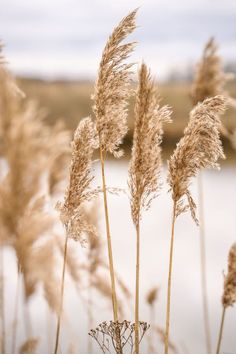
point(53, 48)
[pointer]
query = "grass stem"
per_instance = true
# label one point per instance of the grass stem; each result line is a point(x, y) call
point(137, 288)
point(62, 296)
point(14, 328)
point(109, 247)
point(221, 331)
point(2, 302)
point(169, 281)
point(203, 264)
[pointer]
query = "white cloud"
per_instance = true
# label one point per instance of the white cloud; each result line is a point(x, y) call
point(80, 28)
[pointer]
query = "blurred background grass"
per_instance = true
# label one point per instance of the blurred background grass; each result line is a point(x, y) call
point(71, 101)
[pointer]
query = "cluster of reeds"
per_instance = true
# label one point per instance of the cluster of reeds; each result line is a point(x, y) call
point(36, 170)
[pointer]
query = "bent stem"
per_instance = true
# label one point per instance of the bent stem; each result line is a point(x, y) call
point(110, 255)
point(62, 295)
point(203, 265)
point(169, 281)
point(137, 288)
point(2, 301)
point(221, 331)
point(14, 328)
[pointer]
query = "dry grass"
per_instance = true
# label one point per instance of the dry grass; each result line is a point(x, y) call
point(36, 169)
point(146, 162)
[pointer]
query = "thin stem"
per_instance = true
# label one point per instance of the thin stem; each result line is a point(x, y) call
point(14, 329)
point(2, 301)
point(169, 281)
point(90, 314)
point(62, 295)
point(109, 244)
point(203, 265)
point(221, 331)
point(137, 288)
point(151, 349)
point(110, 255)
point(26, 312)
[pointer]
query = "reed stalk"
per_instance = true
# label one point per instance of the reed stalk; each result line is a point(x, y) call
point(145, 164)
point(199, 148)
point(110, 254)
point(14, 329)
point(90, 314)
point(62, 296)
point(2, 302)
point(221, 331)
point(137, 288)
point(203, 263)
point(169, 281)
point(229, 293)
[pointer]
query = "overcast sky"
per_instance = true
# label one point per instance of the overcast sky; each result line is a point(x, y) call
point(66, 37)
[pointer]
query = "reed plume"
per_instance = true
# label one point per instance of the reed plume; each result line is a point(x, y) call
point(145, 164)
point(24, 147)
point(78, 192)
point(110, 98)
point(112, 90)
point(229, 293)
point(209, 81)
point(199, 148)
point(79, 189)
point(209, 76)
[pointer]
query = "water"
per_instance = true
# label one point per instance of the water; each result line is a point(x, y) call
point(186, 308)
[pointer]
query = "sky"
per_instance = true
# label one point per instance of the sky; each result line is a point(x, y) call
point(60, 38)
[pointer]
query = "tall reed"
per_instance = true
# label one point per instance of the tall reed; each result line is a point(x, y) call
point(209, 81)
point(110, 110)
point(78, 192)
point(199, 148)
point(229, 293)
point(145, 164)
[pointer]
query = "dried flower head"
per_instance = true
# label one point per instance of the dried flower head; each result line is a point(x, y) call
point(210, 77)
point(229, 295)
point(145, 164)
point(112, 88)
point(79, 190)
point(106, 335)
point(152, 295)
point(199, 148)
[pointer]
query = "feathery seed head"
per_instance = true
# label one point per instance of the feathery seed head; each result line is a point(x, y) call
point(210, 77)
point(229, 295)
point(145, 164)
point(199, 148)
point(112, 88)
point(79, 190)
